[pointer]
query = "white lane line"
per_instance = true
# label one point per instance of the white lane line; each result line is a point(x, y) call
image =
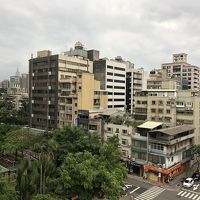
point(188, 194)
point(198, 198)
point(180, 192)
point(150, 194)
point(191, 196)
point(134, 190)
point(195, 197)
point(183, 193)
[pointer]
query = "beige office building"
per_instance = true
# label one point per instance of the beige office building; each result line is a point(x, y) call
point(180, 68)
point(59, 85)
point(171, 107)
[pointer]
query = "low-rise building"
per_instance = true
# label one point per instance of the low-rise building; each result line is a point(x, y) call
point(169, 152)
point(162, 153)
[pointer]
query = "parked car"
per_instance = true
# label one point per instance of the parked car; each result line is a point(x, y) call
point(196, 176)
point(189, 182)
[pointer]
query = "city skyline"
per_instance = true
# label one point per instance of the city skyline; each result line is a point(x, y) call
point(145, 32)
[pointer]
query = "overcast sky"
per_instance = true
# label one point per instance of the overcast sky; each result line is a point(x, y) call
point(146, 32)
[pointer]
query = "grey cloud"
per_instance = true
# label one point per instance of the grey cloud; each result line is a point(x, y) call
point(146, 32)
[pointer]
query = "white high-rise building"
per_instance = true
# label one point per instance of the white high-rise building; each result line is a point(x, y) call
point(112, 75)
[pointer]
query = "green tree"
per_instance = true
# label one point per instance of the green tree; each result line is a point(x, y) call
point(27, 179)
point(74, 140)
point(89, 176)
point(44, 197)
point(19, 140)
point(7, 191)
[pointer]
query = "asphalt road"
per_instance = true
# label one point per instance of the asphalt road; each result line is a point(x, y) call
point(145, 191)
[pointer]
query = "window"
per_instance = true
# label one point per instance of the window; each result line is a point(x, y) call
point(109, 86)
point(124, 142)
point(120, 75)
point(109, 129)
point(109, 73)
point(119, 100)
point(160, 111)
point(168, 111)
point(124, 131)
point(153, 103)
point(119, 81)
point(157, 146)
point(110, 80)
point(118, 68)
point(119, 87)
point(110, 67)
point(119, 93)
point(138, 102)
point(144, 102)
point(153, 110)
point(160, 103)
point(117, 130)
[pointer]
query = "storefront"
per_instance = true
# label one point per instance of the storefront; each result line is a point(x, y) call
point(161, 176)
point(135, 168)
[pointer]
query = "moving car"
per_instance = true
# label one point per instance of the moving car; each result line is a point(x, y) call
point(196, 176)
point(189, 182)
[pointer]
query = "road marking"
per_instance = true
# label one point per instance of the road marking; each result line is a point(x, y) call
point(128, 186)
point(180, 192)
point(134, 190)
point(150, 193)
point(183, 193)
point(188, 194)
point(195, 187)
point(195, 196)
point(191, 196)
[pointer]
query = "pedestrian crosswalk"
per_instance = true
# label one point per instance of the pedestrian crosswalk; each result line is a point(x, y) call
point(189, 194)
point(150, 193)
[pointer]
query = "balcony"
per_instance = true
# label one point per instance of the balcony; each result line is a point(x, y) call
point(157, 152)
point(184, 112)
point(138, 137)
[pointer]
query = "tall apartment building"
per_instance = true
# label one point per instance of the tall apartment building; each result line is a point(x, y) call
point(180, 68)
point(136, 80)
point(171, 107)
point(58, 88)
point(112, 76)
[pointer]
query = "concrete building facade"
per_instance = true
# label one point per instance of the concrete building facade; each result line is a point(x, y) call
point(162, 153)
point(58, 89)
point(136, 80)
point(112, 77)
point(171, 107)
point(180, 68)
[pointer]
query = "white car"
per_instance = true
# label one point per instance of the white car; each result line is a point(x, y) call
point(189, 182)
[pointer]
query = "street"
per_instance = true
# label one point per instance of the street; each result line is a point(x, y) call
point(141, 190)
